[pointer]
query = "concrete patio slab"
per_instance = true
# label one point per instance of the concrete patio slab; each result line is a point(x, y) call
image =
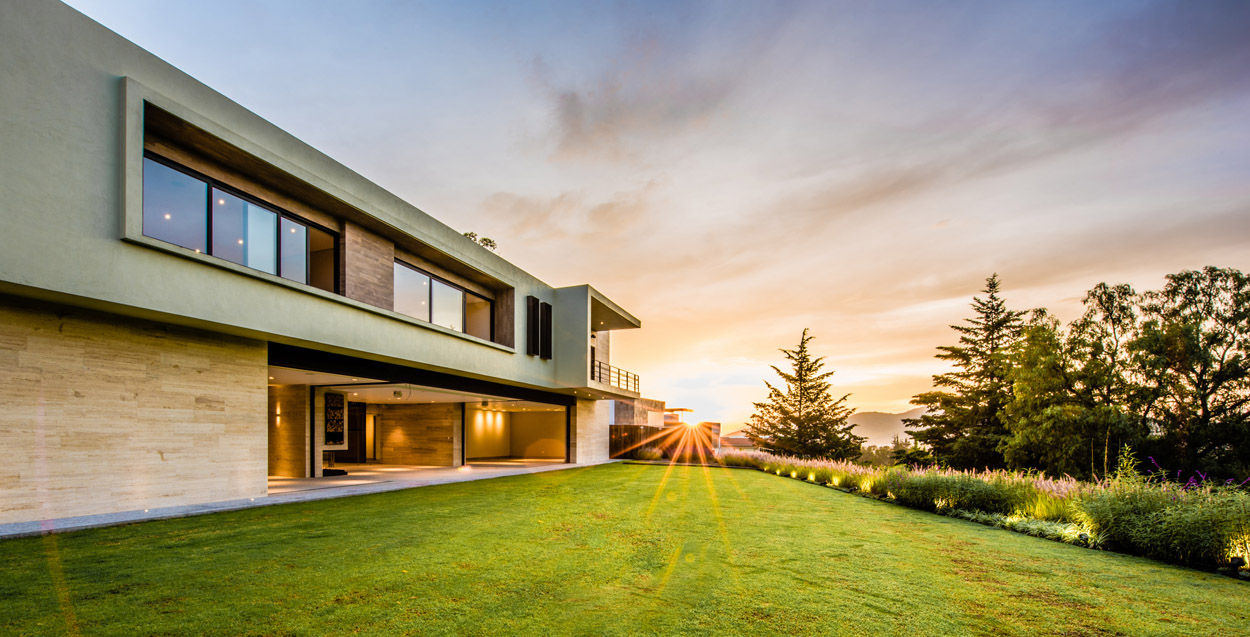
point(361, 480)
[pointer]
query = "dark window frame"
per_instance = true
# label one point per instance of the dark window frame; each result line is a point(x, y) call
point(464, 300)
point(280, 212)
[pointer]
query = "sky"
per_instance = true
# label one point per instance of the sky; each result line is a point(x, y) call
point(734, 172)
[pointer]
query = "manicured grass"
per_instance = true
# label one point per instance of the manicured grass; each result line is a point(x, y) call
point(613, 549)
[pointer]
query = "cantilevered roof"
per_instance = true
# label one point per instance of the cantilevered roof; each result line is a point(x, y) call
point(606, 315)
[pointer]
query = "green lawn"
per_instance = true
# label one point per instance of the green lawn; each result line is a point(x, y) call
point(612, 549)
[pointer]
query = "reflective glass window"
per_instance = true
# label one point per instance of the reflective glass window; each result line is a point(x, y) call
point(174, 206)
point(321, 260)
point(477, 316)
point(447, 306)
point(244, 232)
point(412, 292)
point(294, 238)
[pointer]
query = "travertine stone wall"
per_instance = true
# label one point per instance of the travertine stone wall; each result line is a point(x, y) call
point(642, 412)
point(420, 434)
point(288, 431)
point(368, 272)
point(100, 414)
point(590, 426)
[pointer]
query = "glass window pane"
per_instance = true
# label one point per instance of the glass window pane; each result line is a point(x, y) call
point(321, 260)
point(448, 306)
point(244, 233)
point(412, 292)
point(262, 239)
point(174, 206)
point(294, 250)
point(227, 226)
point(477, 316)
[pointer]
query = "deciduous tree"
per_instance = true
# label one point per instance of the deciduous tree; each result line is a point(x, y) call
point(1193, 346)
point(1075, 397)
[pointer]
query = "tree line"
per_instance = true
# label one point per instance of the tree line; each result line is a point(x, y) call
point(1165, 372)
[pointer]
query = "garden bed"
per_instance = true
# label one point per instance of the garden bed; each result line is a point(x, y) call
point(1198, 525)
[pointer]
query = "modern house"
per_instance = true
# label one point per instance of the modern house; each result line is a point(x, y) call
point(737, 441)
point(193, 301)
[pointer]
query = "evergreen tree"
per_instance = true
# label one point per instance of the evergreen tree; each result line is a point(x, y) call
point(963, 425)
point(804, 420)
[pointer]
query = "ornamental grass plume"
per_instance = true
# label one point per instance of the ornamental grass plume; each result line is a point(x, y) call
point(1195, 522)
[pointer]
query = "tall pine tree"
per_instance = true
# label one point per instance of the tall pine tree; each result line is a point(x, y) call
point(964, 425)
point(804, 420)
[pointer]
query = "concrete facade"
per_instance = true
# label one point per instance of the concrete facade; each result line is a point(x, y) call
point(119, 349)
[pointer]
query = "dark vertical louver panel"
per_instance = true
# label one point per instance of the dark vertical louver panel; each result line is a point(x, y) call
point(546, 330)
point(533, 330)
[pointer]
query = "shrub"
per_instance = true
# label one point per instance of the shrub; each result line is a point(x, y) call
point(739, 459)
point(1202, 528)
point(648, 453)
point(1057, 531)
point(1188, 524)
point(1117, 510)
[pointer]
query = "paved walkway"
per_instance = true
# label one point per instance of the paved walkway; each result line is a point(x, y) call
point(361, 479)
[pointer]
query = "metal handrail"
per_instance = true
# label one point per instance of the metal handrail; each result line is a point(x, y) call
point(607, 374)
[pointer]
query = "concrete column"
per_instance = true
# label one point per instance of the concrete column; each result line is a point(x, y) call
point(590, 431)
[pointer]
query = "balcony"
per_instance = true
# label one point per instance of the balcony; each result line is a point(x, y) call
point(602, 372)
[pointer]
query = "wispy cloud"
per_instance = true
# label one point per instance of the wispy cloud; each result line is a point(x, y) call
point(735, 172)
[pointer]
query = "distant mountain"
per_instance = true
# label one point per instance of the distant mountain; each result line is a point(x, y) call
point(877, 426)
point(880, 427)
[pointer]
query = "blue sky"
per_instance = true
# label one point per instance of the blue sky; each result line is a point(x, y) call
point(735, 172)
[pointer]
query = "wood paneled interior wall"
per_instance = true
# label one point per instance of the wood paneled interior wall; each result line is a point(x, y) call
point(420, 434)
